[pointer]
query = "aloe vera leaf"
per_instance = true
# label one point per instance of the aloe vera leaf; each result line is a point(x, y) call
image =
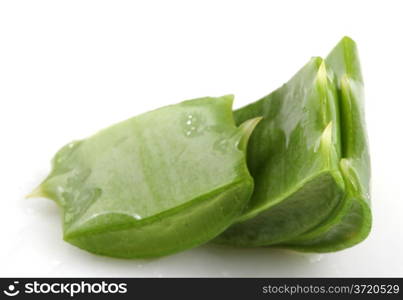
point(293, 155)
point(351, 222)
point(155, 184)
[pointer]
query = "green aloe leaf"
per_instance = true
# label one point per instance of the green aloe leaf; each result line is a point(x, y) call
point(309, 158)
point(351, 222)
point(155, 184)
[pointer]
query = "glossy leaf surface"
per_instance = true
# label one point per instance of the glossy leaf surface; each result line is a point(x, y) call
point(351, 222)
point(155, 184)
point(309, 159)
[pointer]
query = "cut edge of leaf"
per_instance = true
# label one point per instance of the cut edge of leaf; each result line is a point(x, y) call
point(247, 186)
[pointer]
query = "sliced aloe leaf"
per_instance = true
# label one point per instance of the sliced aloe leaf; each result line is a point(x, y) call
point(293, 156)
point(309, 158)
point(155, 184)
point(351, 221)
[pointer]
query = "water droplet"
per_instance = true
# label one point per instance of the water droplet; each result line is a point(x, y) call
point(77, 201)
point(314, 258)
point(222, 145)
point(193, 125)
point(311, 258)
point(136, 216)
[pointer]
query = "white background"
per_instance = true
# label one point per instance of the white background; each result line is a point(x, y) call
point(69, 68)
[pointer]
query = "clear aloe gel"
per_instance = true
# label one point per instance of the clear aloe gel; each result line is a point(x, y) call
point(155, 184)
point(309, 159)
